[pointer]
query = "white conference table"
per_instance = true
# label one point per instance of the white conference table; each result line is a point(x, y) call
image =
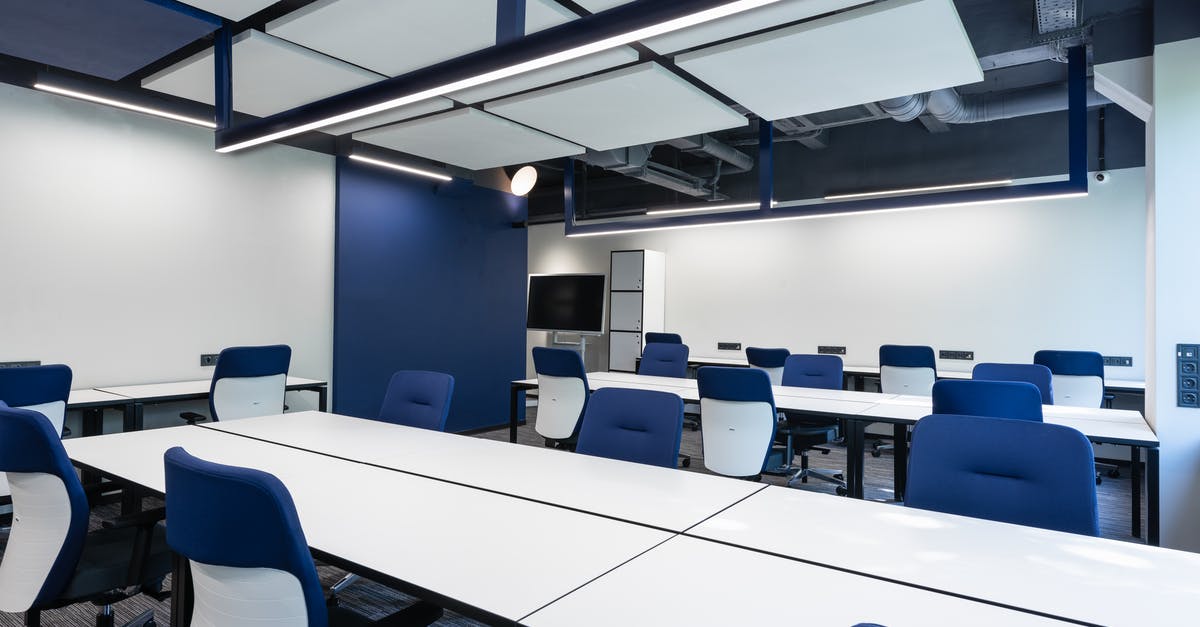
point(663, 498)
point(859, 409)
point(1066, 575)
point(445, 542)
point(689, 581)
point(137, 396)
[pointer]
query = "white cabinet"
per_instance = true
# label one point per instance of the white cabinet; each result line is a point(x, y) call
point(637, 299)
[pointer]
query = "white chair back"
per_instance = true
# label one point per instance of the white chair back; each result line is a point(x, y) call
point(1078, 391)
point(248, 397)
point(226, 596)
point(736, 435)
point(906, 380)
point(560, 406)
point(41, 520)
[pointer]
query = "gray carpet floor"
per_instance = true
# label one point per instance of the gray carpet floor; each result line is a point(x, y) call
point(376, 601)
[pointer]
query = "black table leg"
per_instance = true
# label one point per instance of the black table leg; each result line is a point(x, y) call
point(131, 495)
point(181, 591)
point(134, 417)
point(854, 458)
point(900, 459)
point(1152, 496)
point(514, 396)
point(93, 424)
point(323, 398)
point(1135, 475)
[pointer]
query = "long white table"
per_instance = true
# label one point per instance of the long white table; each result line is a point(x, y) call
point(1065, 575)
point(663, 498)
point(448, 543)
point(859, 409)
point(137, 396)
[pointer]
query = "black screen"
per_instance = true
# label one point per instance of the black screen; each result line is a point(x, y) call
point(566, 302)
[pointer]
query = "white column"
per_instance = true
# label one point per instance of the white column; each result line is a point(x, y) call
point(1173, 280)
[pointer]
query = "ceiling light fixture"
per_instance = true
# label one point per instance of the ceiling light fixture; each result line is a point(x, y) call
point(829, 215)
point(402, 168)
point(913, 190)
point(698, 208)
point(608, 43)
point(128, 106)
point(523, 181)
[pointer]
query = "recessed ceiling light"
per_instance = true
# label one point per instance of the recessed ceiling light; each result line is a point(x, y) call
point(913, 190)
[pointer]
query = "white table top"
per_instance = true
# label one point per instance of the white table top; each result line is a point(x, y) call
point(1078, 577)
point(200, 387)
point(693, 582)
point(87, 397)
point(443, 537)
point(661, 497)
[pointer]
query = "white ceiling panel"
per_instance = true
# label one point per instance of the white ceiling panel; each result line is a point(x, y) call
point(269, 75)
point(596, 6)
point(470, 139)
point(768, 16)
point(391, 37)
point(635, 105)
point(545, 76)
point(234, 10)
point(543, 14)
point(875, 52)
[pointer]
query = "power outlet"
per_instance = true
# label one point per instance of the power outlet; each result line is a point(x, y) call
point(19, 364)
point(1120, 362)
point(831, 350)
point(208, 360)
point(960, 355)
point(729, 346)
point(1187, 357)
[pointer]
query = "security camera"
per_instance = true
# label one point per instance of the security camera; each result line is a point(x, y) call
point(1101, 177)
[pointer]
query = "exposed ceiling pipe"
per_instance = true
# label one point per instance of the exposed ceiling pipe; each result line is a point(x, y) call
point(735, 160)
point(951, 107)
point(634, 162)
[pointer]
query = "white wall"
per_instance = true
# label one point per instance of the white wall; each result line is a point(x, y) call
point(1001, 280)
point(129, 247)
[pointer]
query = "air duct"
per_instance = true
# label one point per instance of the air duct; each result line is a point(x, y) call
point(634, 162)
point(951, 107)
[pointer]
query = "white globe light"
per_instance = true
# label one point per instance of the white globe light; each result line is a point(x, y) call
point(524, 180)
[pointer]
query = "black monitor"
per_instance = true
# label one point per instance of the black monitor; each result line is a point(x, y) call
point(571, 303)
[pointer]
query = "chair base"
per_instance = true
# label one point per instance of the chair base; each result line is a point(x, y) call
point(685, 460)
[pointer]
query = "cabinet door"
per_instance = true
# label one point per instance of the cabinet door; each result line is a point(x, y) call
point(626, 311)
point(624, 350)
point(627, 270)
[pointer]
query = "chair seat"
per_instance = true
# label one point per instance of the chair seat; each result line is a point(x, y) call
point(104, 564)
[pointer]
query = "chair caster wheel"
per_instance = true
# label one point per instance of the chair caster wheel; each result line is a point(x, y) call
point(1099, 480)
point(1114, 473)
point(687, 463)
point(841, 491)
point(875, 453)
point(839, 477)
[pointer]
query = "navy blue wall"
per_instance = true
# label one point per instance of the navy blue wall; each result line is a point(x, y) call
point(431, 277)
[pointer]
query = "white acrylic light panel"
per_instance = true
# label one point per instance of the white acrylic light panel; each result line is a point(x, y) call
point(545, 76)
point(269, 75)
point(233, 10)
point(470, 139)
point(391, 37)
point(635, 105)
point(881, 51)
point(390, 116)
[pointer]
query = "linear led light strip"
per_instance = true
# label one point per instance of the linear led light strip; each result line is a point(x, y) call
point(123, 105)
point(669, 26)
point(402, 168)
point(740, 205)
point(910, 190)
point(830, 215)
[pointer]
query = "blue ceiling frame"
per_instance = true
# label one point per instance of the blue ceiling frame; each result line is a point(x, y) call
point(1077, 182)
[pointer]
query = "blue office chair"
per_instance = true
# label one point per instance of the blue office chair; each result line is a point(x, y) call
point(739, 420)
point(1029, 373)
point(769, 360)
point(1079, 382)
point(642, 426)
point(562, 395)
point(905, 370)
point(418, 398)
point(994, 399)
point(248, 381)
point(239, 530)
point(1015, 471)
point(43, 389)
point(805, 434)
point(664, 360)
point(657, 337)
point(51, 560)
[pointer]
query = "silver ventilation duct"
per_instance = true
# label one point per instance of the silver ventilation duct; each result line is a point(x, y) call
point(634, 162)
point(951, 107)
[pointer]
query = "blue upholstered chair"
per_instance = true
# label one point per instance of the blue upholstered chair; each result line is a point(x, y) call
point(905, 370)
point(248, 381)
point(641, 426)
point(769, 360)
point(418, 398)
point(51, 560)
point(994, 399)
point(562, 395)
point(1078, 382)
point(1016, 471)
point(739, 419)
point(239, 530)
point(808, 433)
point(43, 389)
point(658, 337)
point(1036, 374)
point(664, 360)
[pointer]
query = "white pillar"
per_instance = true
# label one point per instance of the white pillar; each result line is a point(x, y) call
point(1173, 280)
